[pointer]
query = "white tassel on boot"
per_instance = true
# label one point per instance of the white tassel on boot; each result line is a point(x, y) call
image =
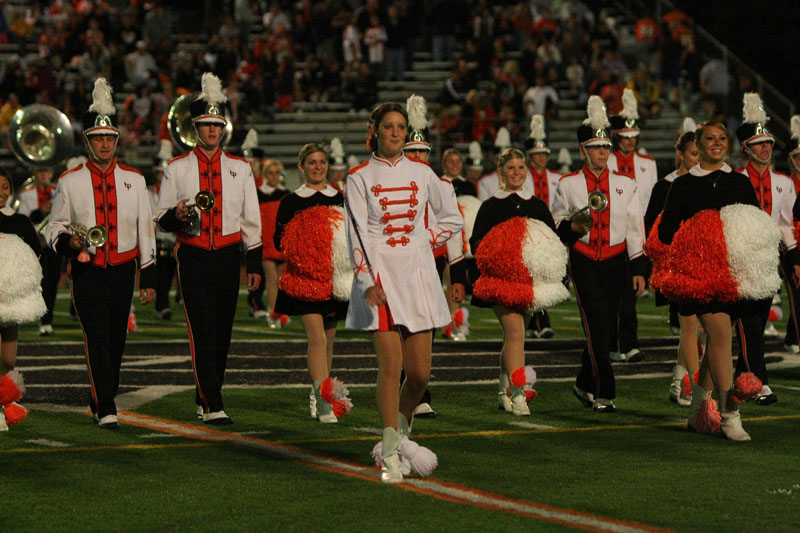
point(731, 419)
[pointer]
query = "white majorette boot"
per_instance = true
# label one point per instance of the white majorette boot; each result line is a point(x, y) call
point(332, 400)
point(503, 399)
point(391, 471)
point(323, 410)
point(676, 394)
point(521, 390)
point(731, 419)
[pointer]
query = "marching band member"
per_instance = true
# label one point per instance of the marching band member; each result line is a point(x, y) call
point(165, 241)
point(642, 169)
point(271, 191)
point(20, 297)
point(703, 236)
point(452, 165)
point(506, 283)
point(255, 158)
point(776, 195)
point(35, 202)
point(686, 156)
point(208, 242)
point(337, 167)
point(793, 151)
point(316, 282)
point(474, 166)
point(390, 248)
point(109, 195)
point(490, 183)
point(545, 182)
point(597, 260)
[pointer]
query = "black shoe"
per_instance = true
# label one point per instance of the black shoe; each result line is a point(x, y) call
point(586, 398)
point(633, 355)
point(545, 333)
point(767, 399)
point(603, 406)
point(424, 410)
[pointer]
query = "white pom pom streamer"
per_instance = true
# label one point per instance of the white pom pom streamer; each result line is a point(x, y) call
point(340, 259)
point(417, 110)
point(629, 105)
point(250, 140)
point(545, 257)
point(537, 127)
point(422, 460)
point(102, 103)
point(753, 110)
point(752, 240)
point(211, 89)
point(77, 161)
point(596, 111)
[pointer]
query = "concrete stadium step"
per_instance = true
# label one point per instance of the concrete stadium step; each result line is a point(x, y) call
point(318, 116)
point(430, 94)
point(442, 66)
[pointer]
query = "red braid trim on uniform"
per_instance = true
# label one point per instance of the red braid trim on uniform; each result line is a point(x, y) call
point(306, 245)
point(504, 278)
point(694, 268)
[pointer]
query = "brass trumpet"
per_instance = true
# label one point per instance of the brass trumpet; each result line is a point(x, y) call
point(94, 236)
point(204, 201)
point(596, 202)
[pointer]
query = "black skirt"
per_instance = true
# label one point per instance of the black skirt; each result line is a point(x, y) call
point(329, 309)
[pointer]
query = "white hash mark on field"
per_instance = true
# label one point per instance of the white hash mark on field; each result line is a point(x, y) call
point(371, 431)
point(786, 492)
point(49, 443)
point(528, 425)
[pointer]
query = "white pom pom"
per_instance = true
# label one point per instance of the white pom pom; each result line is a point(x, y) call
point(752, 240)
point(20, 282)
point(337, 149)
point(502, 139)
point(376, 454)
point(102, 103)
point(417, 111)
point(537, 127)
point(629, 105)
point(211, 89)
point(421, 459)
point(795, 127)
point(545, 257)
point(753, 109)
point(475, 151)
point(18, 380)
point(530, 375)
point(596, 111)
point(250, 140)
point(340, 260)
point(688, 125)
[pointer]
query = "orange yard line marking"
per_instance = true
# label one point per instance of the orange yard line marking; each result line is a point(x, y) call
point(441, 490)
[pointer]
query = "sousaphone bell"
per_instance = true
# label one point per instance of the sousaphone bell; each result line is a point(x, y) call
point(179, 120)
point(595, 203)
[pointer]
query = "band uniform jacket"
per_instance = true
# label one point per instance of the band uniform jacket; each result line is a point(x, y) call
point(642, 168)
point(387, 204)
point(31, 200)
point(621, 223)
point(235, 216)
point(549, 179)
point(116, 199)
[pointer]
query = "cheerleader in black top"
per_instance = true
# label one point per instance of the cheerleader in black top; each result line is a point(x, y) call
point(270, 193)
point(14, 307)
point(507, 203)
point(710, 185)
point(686, 156)
point(304, 290)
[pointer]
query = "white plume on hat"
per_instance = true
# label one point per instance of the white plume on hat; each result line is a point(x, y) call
point(794, 127)
point(688, 125)
point(630, 105)
point(211, 89)
point(417, 110)
point(564, 158)
point(165, 150)
point(250, 140)
point(503, 138)
point(102, 103)
point(353, 161)
point(596, 111)
point(753, 111)
point(475, 151)
point(537, 127)
point(337, 149)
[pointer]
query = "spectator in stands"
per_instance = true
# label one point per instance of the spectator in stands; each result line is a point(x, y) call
point(577, 10)
point(362, 87)
point(375, 39)
point(141, 66)
point(647, 37)
point(351, 43)
point(284, 83)
point(482, 123)
point(397, 30)
point(443, 21)
point(275, 18)
point(455, 87)
point(541, 99)
point(647, 94)
point(576, 77)
point(604, 38)
point(157, 26)
point(715, 85)
point(9, 107)
point(549, 54)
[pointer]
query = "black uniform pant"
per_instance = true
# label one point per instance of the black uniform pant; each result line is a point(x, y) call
point(255, 299)
point(792, 327)
point(102, 298)
point(625, 330)
point(598, 285)
point(165, 272)
point(751, 319)
point(209, 281)
point(51, 275)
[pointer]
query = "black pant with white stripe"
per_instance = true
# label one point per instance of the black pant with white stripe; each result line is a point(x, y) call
point(598, 286)
point(102, 299)
point(750, 322)
point(625, 330)
point(209, 281)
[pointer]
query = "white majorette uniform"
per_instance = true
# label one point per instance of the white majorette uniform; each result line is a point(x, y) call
point(116, 199)
point(490, 184)
point(387, 201)
point(641, 168)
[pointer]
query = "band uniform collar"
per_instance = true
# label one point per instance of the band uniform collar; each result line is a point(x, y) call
point(305, 192)
point(525, 195)
point(697, 171)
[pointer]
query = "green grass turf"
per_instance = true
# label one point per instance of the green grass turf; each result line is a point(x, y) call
point(640, 464)
point(483, 324)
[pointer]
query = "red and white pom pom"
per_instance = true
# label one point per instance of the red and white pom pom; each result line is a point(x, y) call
point(333, 391)
point(524, 377)
point(421, 459)
point(687, 387)
point(753, 241)
point(504, 279)
point(340, 259)
point(708, 419)
point(12, 387)
point(14, 413)
point(745, 387)
point(545, 257)
point(775, 314)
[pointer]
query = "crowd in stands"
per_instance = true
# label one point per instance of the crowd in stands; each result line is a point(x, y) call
point(514, 59)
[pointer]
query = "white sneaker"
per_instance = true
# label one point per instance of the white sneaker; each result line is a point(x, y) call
point(633, 355)
point(792, 348)
point(217, 418)
point(770, 330)
point(200, 413)
point(424, 410)
point(616, 356)
point(45, 330)
point(391, 471)
point(503, 399)
point(646, 294)
point(260, 314)
point(108, 422)
point(312, 403)
point(676, 394)
point(519, 407)
point(328, 418)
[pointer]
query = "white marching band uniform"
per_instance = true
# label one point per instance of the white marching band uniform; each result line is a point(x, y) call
point(387, 201)
point(645, 175)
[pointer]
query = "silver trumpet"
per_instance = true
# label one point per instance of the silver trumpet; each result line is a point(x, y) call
point(204, 201)
point(596, 202)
